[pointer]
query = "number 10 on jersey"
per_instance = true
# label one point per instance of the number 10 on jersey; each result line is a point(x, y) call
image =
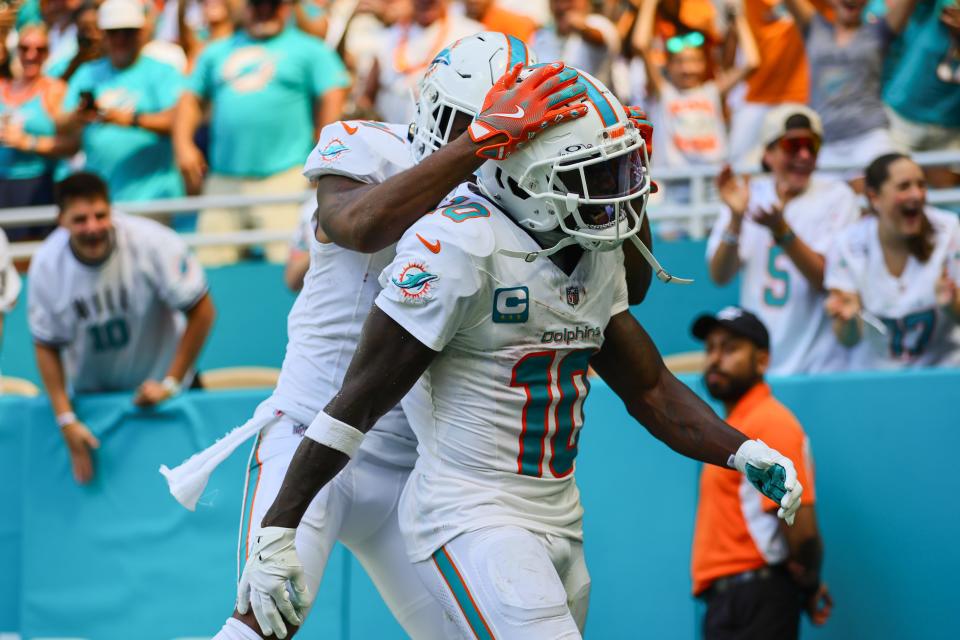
point(554, 408)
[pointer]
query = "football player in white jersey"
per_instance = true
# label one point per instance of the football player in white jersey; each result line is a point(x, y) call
point(373, 181)
point(115, 302)
point(893, 275)
point(501, 299)
point(9, 281)
point(776, 231)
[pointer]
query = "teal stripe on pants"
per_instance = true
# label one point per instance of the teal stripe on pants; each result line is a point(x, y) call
point(462, 595)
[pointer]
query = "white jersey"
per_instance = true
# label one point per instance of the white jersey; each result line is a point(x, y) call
point(339, 288)
point(771, 286)
point(918, 332)
point(9, 279)
point(118, 323)
point(498, 412)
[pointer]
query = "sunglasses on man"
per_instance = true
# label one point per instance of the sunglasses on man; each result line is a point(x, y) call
point(793, 146)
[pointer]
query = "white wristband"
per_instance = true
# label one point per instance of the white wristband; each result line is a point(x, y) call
point(172, 385)
point(66, 418)
point(329, 431)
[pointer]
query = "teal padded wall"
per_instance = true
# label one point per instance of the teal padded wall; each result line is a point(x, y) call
point(120, 559)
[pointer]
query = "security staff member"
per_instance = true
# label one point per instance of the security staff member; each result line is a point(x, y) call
point(756, 574)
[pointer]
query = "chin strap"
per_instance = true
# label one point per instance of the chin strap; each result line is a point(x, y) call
point(530, 256)
point(662, 275)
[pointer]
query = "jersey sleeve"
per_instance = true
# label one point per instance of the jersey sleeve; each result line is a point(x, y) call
point(169, 89)
point(841, 212)
point(9, 278)
point(180, 279)
point(430, 288)
point(47, 325)
point(199, 83)
point(79, 82)
point(344, 150)
point(327, 71)
point(842, 267)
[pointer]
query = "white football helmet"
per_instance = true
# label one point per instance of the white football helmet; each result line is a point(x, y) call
point(457, 81)
point(589, 176)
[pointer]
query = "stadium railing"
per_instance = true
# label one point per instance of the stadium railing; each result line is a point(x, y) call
point(695, 217)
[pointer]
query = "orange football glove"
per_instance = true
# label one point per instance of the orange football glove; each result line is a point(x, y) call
point(513, 112)
point(639, 119)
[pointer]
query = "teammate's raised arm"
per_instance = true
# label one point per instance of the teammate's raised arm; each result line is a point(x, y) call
point(368, 217)
point(630, 363)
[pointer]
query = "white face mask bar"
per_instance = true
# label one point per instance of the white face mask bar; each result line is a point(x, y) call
point(432, 130)
point(629, 181)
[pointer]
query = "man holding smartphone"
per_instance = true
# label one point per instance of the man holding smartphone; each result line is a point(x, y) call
point(121, 109)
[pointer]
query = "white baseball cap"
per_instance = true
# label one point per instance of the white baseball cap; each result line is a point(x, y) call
point(121, 14)
point(776, 120)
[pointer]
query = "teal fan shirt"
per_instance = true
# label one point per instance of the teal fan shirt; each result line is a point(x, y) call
point(137, 164)
point(263, 94)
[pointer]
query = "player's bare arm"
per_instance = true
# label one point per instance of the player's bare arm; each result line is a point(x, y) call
point(387, 363)
point(367, 218)
point(630, 363)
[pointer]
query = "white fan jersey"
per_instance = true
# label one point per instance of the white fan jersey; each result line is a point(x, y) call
point(323, 328)
point(498, 413)
point(9, 279)
point(918, 332)
point(771, 286)
point(118, 323)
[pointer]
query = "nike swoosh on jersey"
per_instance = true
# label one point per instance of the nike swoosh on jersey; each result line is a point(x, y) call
point(349, 129)
point(434, 246)
point(519, 114)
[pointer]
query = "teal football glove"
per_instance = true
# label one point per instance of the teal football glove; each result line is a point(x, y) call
point(772, 474)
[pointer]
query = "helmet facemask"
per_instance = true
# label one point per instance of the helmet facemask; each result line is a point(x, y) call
point(597, 193)
point(434, 121)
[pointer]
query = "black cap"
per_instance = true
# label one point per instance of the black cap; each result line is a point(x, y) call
point(735, 320)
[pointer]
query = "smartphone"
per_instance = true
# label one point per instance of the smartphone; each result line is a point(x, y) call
point(87, 101)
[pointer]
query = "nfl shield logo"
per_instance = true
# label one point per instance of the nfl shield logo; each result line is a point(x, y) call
point(573, 296)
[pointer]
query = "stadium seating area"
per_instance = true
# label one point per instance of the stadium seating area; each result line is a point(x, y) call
point(75, 558)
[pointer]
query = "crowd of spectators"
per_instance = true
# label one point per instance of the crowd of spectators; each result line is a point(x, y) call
point(167, 97)
point(163, 98)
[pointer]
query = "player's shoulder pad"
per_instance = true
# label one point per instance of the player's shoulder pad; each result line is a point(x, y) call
point(464, 221)
point(360, 149)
